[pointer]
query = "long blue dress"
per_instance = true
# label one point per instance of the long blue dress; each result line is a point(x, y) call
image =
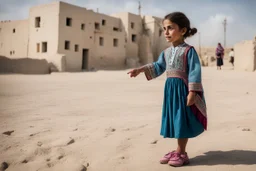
point(183, 71)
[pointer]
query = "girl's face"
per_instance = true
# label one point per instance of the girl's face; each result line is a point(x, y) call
point(172, 32)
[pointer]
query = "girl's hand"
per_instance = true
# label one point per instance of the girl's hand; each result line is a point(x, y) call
point(191, 98)
point(134, 72)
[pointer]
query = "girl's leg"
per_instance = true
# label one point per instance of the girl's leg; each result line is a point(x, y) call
point(182, 143)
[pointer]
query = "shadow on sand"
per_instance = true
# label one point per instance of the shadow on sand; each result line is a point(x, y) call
point(234, 157)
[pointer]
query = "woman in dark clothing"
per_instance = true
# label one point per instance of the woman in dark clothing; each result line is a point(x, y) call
point(220, 55)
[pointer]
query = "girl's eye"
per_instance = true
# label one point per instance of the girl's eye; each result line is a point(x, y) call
point(168, 28)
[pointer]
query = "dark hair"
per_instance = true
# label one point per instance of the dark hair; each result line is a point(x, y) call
point(232, 49)
point(182, 21)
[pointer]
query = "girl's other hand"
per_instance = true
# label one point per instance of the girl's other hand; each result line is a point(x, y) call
point(191, 98)
point(134, 72)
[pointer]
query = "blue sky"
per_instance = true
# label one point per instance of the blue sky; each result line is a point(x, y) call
point(206, 15)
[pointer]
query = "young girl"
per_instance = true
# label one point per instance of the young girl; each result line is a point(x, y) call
point(184, 109)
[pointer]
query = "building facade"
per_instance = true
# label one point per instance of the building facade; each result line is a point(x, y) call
point(74, 38)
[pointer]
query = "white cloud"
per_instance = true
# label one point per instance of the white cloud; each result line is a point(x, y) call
point(212, 30)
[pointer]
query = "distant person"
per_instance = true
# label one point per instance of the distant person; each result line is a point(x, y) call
point(220, 55)
point(231, 57)
point(184, 109)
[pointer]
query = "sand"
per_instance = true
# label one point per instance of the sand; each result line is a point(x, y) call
point(106, 121)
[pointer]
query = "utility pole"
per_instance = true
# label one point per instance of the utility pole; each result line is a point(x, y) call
point(225, 25)
point(139, 8)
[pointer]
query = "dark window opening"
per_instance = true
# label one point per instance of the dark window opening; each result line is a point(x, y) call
point(37, 22)
point(134, 38)
point(68, 21)
point(132, 25)
point(103, 22)
point(101, 41)
point(115, 42)
point(115, 29)
point(82, 26)
point(44, 47)
point(38, 47)
point(76, 48)
point(67, 45)
point(160, 32)
point(97, 26)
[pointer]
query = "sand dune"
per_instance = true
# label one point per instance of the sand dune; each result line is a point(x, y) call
point(106, 121)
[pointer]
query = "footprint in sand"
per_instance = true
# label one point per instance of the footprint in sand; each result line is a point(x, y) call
point(135, 128)
point(8, 132)
point(31, 135)
point(246, 129)
point(39, 143)
point(154, 142)
point(37, 152)
point(60, 157)
point(71, 141)
point(109, 131)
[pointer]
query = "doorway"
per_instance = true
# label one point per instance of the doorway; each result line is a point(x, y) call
point(85, 59)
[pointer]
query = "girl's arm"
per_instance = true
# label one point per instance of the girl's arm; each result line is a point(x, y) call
point(155, 69)
point(194, 72)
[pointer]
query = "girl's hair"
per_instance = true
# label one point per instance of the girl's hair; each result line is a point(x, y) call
point(182, 21)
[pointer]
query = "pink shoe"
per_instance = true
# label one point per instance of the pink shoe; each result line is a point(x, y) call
point(179, 160)
point(167, 157)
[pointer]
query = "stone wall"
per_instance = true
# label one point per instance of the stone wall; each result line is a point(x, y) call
point(245, 55)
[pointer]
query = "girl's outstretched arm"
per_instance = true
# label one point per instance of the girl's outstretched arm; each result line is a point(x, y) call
point(151, 70)
point(155, 69)
point(135, 72)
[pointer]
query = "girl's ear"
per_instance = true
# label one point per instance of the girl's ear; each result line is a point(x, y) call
point(183, 31)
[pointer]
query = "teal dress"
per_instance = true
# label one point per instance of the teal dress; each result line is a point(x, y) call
point(183, 72)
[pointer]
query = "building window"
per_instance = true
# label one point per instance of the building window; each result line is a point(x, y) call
point(134, 37)
point(115, 29)
point(0, 29)
point(13, 52)
point(14, 30)
point(10, 52)
point(101, 41)
point(68, 21)
point(103, 22)
point(76, 48)
point(37, 22)
point(82, 26)
point(115, 42)
point(38, 47)
point(97, 26)
point(67, 45)
point(132, 25)
point(44, 47)
point(160, 32)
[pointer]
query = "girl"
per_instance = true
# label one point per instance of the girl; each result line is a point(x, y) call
point(220, 55)
point(184, 108)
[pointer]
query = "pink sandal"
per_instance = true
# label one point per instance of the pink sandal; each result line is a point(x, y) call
point(167, 157)
point(178, 160)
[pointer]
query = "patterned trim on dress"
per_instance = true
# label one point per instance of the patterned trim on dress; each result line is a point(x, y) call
point(177, 74)
point(149, 71)
point(195, 87)
point(200, 104)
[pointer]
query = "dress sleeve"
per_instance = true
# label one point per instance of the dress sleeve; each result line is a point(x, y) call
point(194, 71)
point(155, 69)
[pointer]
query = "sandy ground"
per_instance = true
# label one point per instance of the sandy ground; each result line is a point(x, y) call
point(106, 121)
